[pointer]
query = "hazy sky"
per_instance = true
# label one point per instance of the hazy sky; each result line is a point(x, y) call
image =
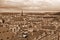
point(42, 5)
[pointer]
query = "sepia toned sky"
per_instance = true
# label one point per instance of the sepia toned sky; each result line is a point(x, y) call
point(31, 5)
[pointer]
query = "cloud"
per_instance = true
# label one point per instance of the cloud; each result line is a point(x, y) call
point(32, 4)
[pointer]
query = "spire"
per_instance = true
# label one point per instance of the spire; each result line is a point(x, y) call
point(22, 13)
